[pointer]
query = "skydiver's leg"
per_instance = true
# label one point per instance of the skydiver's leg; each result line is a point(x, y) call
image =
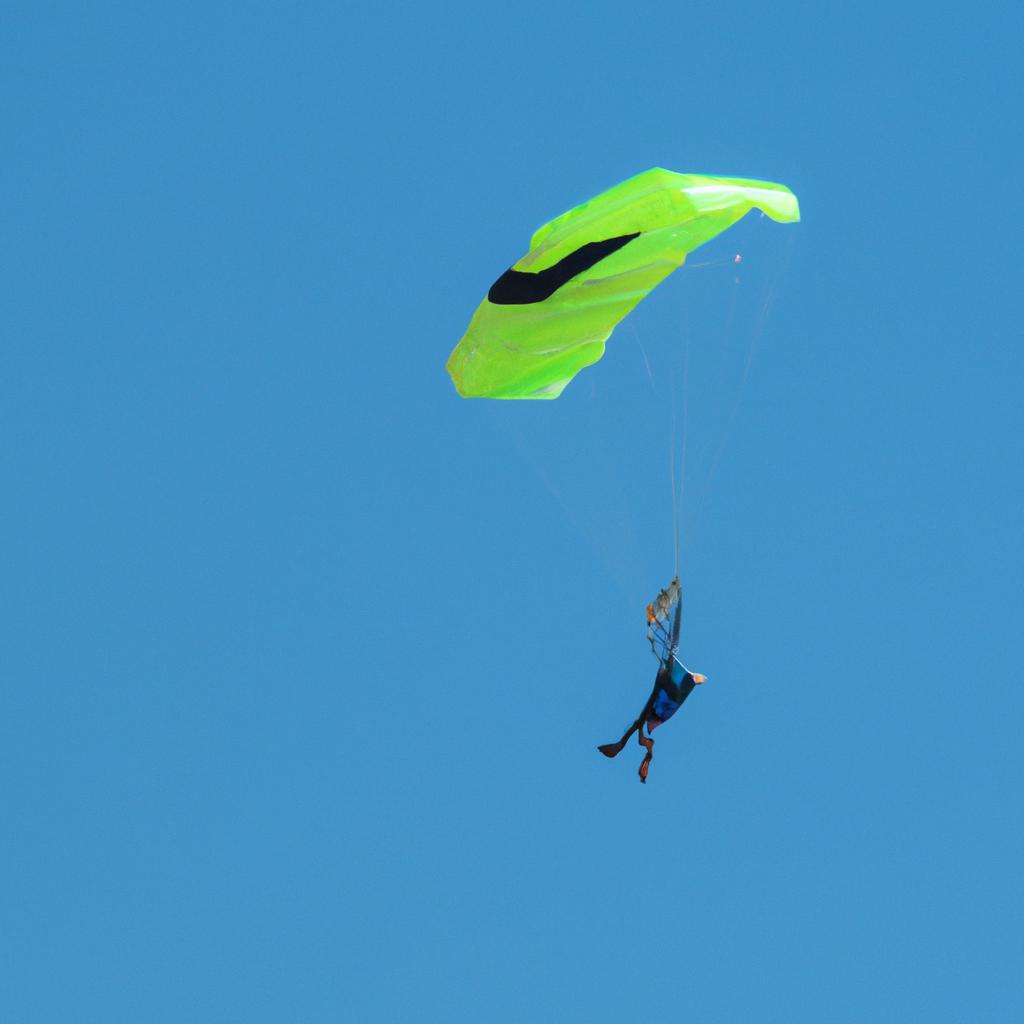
point(648, 744)
point(611, 749)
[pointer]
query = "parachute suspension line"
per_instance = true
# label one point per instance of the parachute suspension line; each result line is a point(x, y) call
point(678, 437)
point(672, 487)
point(678, 492)
point(643, 352)
point(676, 495)
point(682, 457)
point(767, 300)
point(726, 431)
point(672, 440)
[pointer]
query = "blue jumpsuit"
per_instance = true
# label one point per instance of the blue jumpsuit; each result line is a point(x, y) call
point(673, 685)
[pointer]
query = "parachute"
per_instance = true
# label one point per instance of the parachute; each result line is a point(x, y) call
point(549, 315)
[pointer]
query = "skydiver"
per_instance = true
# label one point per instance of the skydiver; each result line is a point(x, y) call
point(672, 685)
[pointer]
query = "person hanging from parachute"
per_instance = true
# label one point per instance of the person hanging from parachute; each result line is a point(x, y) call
point(674, 681)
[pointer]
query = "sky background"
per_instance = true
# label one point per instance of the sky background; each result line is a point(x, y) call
point(303, 658)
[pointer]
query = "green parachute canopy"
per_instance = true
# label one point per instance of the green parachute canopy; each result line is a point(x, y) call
point(549, 315)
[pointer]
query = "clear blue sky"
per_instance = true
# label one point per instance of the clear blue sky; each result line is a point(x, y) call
point(304, 659)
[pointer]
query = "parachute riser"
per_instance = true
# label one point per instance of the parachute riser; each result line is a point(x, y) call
point(663, 638)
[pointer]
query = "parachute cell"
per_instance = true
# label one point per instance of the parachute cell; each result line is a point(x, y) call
point(550, 314)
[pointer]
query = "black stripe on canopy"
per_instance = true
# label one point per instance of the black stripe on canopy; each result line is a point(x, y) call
point(521, 287)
